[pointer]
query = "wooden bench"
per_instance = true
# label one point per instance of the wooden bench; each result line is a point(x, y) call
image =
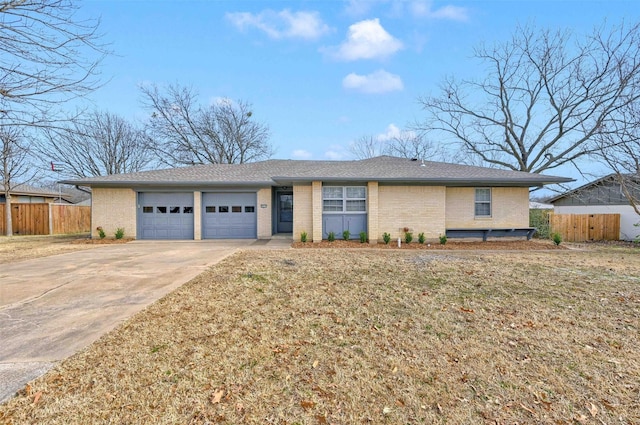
point(527, 232)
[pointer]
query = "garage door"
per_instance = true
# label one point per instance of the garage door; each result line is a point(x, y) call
point(229, 216)
point(165, 215)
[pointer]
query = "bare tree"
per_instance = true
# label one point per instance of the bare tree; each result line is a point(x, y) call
point(406, 144)
point(411, 145)
point(48, 57)
point(366, 147)
point(619, 149)
point(544, 97)
point(100, 144)
point(182, 132)
point(14, 167)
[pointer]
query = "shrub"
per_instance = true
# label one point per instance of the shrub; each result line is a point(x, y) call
point(540, 220)
point(386, 238)
point(421, 238)
point(331, 237)
point(408, 237)
point(443, 239)
point(119, 232)
point(346, 235)
point(303, 237)
point(101, 232)
point(557, 238)
point(363, 237)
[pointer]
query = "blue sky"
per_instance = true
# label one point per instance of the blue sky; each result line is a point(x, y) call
point(320, 73)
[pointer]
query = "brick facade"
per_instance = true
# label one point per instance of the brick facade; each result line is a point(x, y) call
point(302, 212)
point(113, 208)
point(509, 208)
point(419, 208)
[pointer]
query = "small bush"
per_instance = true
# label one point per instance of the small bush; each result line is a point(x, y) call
point(363, 237)
point(101, 232)
point(346, 235)
point(421, 238)
point(443, 239)
point(408, 237)
point(556, 238)
point(331, 237)
point(386, 237)
point(119, 232)
point(303, 237)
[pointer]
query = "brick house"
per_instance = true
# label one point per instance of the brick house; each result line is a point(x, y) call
point(261, 199)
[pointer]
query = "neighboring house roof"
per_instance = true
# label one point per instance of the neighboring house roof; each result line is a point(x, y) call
point(602, 191)
point(286, 172)
point(28, 190)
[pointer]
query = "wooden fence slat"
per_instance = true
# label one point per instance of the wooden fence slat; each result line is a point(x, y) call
point(70, 219)
point(34, 219)
point(586, 227)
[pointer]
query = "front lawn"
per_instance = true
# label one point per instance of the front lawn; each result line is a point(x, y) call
point(368, 336)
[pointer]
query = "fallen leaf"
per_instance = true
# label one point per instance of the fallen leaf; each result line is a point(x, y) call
point(307, 404)
point(217, 396)
point(592, 409)
point(400, 403)
point(321, 419)
point(386, 410)
point(315, 364)
point(467, 310)
point(36, 399)
point(582, 419)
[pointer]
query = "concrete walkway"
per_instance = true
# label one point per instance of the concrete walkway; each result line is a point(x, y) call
point(52, 307)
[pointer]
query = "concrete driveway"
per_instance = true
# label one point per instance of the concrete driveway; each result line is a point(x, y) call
point(52, 307)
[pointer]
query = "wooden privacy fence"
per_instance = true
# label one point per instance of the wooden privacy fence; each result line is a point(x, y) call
point(46, 219)
point(586, 227)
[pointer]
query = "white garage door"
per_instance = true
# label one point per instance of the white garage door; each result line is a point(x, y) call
point(165, 215)
point(229, 215)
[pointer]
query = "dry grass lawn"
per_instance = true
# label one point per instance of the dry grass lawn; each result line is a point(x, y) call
point(17, 248)
point(368, 336)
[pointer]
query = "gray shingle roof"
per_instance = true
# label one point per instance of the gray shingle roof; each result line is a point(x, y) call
point(286, 172)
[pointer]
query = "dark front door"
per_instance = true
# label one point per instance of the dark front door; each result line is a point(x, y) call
point(285, 212)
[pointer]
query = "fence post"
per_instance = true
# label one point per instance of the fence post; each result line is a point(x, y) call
point(50, 218)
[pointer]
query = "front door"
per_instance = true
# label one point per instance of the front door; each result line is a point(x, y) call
point(285, 212)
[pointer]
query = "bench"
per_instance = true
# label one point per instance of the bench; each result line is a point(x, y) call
point(527, 232)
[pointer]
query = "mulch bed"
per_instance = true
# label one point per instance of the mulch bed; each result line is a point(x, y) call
point(515, 245)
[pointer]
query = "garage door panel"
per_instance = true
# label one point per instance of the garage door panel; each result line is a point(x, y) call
point(229, 215)
point(166, 215)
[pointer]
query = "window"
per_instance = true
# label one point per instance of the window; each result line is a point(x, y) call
point(187, 210)
point(210, 209)
point(223, 209)
point(483, 203)
point(344, 199)
point(174, 210)
point(249, 209)
point(236, 209)
point(161, 210)
point(147, 210)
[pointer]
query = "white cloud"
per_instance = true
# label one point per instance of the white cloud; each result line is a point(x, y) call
point(417, 8)
point(336, 152)
point(366, 40)
point(378, 82)
point(424, 8)
point(301, 154)
point(284, 24)
point(394, 132)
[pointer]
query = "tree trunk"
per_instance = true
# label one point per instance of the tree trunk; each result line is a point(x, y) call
point(7, 213)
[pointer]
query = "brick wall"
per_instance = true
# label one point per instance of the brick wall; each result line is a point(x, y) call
point(264, 214)
point(113, 208)
point(509, 208)
point(420, 208)
point(302, 212)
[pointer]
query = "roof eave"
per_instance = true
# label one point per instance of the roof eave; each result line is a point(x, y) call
point(172, 184)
